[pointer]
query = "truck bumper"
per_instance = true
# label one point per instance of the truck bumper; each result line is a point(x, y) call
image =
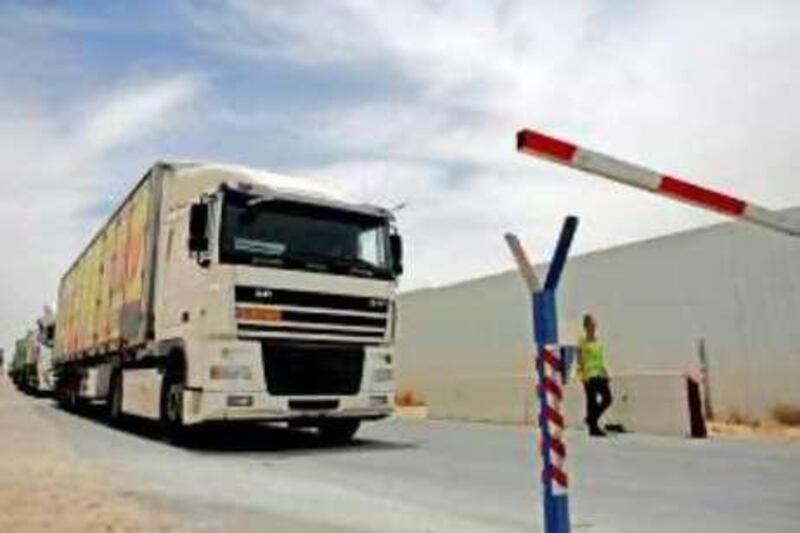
point(210, 406)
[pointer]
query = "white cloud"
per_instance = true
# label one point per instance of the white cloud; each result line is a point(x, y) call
point(57, 163)
point(134, 112)
point(674, 85)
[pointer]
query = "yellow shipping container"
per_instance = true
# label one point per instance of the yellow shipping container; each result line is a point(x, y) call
point(102, 318)
point(103, 299)
point(117, 285)
point(133, 319)
point(93, 283)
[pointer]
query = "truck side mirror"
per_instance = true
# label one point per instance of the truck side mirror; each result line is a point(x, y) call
point(198, 228)
point(396, 248)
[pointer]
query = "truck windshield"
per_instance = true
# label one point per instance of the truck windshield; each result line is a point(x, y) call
point(303, 236)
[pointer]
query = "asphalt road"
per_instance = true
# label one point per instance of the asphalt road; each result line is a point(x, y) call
point(440, 476)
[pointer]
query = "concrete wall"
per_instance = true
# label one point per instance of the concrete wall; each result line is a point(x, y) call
point(734, 285)
point(653, 403)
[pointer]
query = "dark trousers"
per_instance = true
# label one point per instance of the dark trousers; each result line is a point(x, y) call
point(598, 398)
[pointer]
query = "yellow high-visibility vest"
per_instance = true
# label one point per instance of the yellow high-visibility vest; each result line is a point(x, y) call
point(591, 359)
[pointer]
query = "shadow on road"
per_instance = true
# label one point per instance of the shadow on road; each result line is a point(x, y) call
point(237, 438)
point(278, 440)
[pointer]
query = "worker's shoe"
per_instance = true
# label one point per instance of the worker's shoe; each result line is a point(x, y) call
point(596, 432)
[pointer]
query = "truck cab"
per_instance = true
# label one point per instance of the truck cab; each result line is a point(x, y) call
point(273, 300)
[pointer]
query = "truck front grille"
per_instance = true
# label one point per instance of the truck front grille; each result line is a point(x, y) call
point(306, 369)
point(263, 313)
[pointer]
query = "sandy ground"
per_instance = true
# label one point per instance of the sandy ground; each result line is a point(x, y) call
point(412, 412)
point(45, 487)
point(771, 431)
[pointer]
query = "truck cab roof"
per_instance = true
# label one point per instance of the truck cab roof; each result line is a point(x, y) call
point(270, 184)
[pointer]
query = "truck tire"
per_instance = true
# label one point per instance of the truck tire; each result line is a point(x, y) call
point(171, 415)
point(61, 396)
point(67, 395)
point(338, 431)
point(69, 403)
point(115, 399)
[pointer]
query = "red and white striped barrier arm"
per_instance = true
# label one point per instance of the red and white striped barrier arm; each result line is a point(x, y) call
point(543, 146)
point(553, 414)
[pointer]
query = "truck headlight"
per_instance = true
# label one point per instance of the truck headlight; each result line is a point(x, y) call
point(230, 372)
point(383, 374)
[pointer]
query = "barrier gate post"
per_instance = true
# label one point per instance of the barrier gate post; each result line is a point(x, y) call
point(551, 370)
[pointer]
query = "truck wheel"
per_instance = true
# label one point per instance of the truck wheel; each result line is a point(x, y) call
point(338, 431)
point(172, 408)
point(67, 396)
point(115, 399)
point(61, 396)
point(71, 402)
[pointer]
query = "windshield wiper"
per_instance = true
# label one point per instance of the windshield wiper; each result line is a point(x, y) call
point(351, 263)
point(311, 261)
point(267, 259)
point(363, 263)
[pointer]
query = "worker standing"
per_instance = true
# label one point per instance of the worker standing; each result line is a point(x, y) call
point(593, 373)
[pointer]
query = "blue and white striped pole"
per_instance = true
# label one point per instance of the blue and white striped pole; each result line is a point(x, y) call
point(550, 369)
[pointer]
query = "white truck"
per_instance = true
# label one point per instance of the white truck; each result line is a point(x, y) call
point(219, 293)
point(32, 368)
point(42, 348)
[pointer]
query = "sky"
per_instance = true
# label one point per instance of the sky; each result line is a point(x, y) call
point(413, 102)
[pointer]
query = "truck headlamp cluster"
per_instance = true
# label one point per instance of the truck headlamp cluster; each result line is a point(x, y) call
point(230, 372)
point(240, 400)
